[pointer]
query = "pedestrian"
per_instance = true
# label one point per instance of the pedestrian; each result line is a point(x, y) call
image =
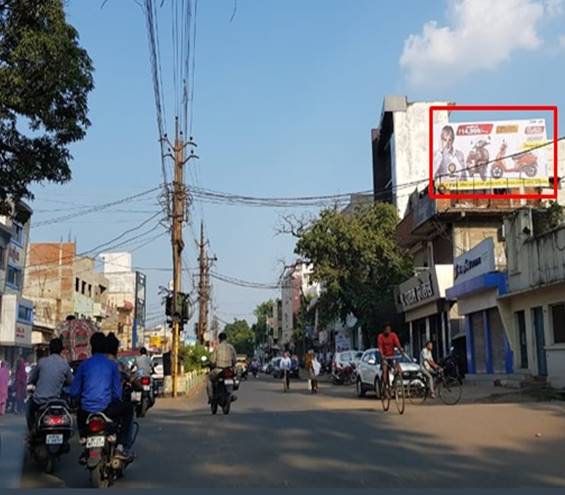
point(4, 382)
point(20, 384)
point(309, 366)
point(316, 368)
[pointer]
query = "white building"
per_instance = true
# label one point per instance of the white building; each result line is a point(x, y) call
point(401, 148)
point(16, 313)
point(533, 310)
point(296, 283)
point(126, 293)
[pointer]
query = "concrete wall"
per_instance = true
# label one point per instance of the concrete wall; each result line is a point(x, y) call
point(533, 261)
point(411, 148)
point(555, 353)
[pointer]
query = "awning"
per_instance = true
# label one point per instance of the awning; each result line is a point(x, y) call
point(492, 280)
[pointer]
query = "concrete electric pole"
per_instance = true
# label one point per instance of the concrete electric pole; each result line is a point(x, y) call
point(203, 287)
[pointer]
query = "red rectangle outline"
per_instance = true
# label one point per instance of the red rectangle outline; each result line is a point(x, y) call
point(449, 108)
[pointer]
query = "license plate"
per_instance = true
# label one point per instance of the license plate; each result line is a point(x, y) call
point(228, 382)
point(94, 442)
point(136, 396)
point(54, 439)
point(147, 388)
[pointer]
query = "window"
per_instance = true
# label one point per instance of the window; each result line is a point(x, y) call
point(89, 290)
point(77, 284)
point(17, 233)
point(25, 314)
point(558, 323)
point(2, 251)
point(14, 277)
point(83, 288)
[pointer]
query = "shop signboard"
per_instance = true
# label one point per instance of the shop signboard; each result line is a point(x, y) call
point(418, 290)
point(477, 261)
point(490, 154)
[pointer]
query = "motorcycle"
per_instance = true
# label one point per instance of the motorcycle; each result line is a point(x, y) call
point(100, 456)
point(450, 365)
point(143, 395)
point(343, 375)
point(477, 160)
point(525, 162)
point(50, 435)
point(254, 370)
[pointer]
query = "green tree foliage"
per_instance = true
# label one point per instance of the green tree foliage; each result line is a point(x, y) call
point(357, 261)
point(240, 336)
point(191, 356)
point(262, 312)
point(45, 77)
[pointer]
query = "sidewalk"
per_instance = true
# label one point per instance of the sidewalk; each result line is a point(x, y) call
point(12, 434)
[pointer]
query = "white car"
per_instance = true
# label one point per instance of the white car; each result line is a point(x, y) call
point(368, 371)
point(157, 363)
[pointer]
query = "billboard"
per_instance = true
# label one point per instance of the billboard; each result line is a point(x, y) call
point(475, 262)
point(490, 154)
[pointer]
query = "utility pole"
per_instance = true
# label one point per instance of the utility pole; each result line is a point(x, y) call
point(178, 213)
point(203, 287)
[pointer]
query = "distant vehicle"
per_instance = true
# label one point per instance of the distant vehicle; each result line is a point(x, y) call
point(241, 361)
point(346, 358)
point(274, 367)
point(157, 363)
point(368, 372)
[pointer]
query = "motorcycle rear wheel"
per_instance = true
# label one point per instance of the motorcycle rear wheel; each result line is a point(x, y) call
point(97, 478)
point(49, 465)
point(226, 407)
point(214, 407)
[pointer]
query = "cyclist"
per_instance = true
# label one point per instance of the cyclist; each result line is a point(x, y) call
point(429, 365)
point(387, 342)
point(286, 365)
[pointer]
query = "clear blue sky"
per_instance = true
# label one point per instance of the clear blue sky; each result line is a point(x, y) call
point(286, 95)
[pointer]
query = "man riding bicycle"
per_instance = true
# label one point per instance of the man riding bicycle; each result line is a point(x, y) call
point(387, 343)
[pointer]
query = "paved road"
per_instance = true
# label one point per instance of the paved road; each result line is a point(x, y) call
point(273, 439)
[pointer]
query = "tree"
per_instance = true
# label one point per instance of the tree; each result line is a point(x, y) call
point(191, 356)
point(45, 77)
point(356, 259)
point(262, 312)
point(241, 336)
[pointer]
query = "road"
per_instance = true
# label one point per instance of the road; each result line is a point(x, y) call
point(272, 439)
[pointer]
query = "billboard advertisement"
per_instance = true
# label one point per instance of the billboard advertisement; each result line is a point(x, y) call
point(490, 154)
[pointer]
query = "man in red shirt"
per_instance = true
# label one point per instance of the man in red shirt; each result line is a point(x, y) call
point(387, 343)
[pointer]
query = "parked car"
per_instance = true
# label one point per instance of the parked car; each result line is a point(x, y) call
point(157, 363)
point(276, 367)
point(346, 358)
point(368, 372)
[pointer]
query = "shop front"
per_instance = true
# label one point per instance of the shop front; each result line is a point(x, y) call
point(476, 288)
point(422, 300)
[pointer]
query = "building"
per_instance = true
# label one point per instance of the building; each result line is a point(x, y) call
point(533, 309)
point(157, 339)
point(274, 323)
point(127, 296)
point(479, 280)
point(61, 283)
point(16, 312)
point(401, 149)
point(296, 284)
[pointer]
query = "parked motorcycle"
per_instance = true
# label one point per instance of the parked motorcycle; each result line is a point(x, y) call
point(344, 375)
point(524, 163)
point(100, 456)
point(50, 435)
point(451, 367)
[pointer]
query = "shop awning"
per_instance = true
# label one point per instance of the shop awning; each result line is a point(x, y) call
point(492, 280)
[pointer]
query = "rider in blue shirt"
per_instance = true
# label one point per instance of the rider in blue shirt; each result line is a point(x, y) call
point(97, 385)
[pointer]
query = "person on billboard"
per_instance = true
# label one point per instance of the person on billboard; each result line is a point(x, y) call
point(449, 163)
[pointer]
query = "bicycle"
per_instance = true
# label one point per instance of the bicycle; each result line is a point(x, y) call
point(448, 388)
point(396, 387)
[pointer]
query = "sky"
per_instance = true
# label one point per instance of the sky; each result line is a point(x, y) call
point(285, 98)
